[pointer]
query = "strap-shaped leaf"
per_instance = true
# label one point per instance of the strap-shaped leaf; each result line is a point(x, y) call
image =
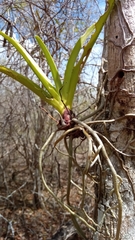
point(50, 62)
point(72, 60)
point(44, 95)
point(86, 51)
point(33, 65)
point(25, 81)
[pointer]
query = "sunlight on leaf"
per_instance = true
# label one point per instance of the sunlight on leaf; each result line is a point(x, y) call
point(72, 76)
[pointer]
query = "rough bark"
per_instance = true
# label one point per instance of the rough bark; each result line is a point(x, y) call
point(119, 50)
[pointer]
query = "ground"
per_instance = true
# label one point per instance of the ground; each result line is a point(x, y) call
point(20, 218)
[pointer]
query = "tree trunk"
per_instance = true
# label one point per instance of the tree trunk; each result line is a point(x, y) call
point(119, 51)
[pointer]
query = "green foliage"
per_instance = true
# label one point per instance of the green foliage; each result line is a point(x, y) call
point(51, 63)
point(60, 94)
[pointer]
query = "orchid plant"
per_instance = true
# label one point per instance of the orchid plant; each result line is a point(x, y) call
point(60, 94)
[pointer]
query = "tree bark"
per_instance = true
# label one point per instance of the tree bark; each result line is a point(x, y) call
point(119, 49)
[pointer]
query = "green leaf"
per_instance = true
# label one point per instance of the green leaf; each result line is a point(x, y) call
point(72, 60)
point(52, 94)
point(25, 81)
point(51, 63)
point(73, 75)
point(33, 65)
point(44, 95)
